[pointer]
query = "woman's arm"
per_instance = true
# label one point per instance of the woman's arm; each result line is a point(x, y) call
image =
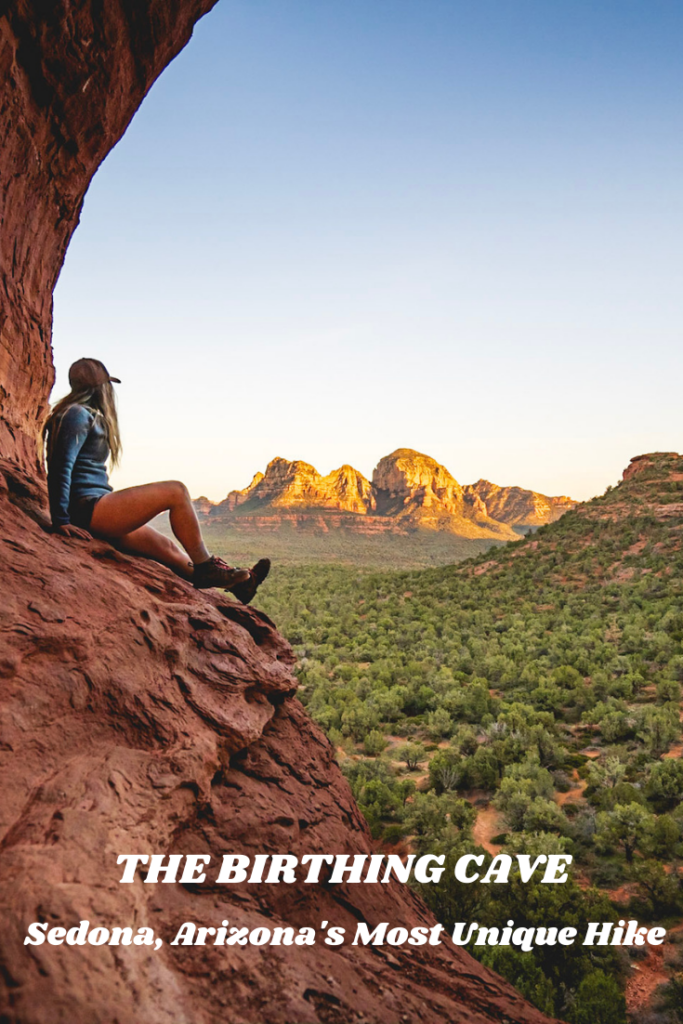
point(71, 432)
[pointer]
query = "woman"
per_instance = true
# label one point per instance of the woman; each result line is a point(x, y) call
point(81, 434)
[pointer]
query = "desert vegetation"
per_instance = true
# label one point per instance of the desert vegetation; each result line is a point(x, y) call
point(527, 700)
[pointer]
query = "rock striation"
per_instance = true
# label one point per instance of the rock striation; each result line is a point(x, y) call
point(518, 507)
point(137, 715)
point(415, 488)
point(298, 485)
point(409, 480)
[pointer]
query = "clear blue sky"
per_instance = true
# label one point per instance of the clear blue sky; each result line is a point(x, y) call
point(339, 227)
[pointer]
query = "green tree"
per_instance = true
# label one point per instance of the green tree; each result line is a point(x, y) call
point(544, 816)
point(428, 815)
point(522, 971)
point(358, 720)
point(465, 740)
point(673, 996)
point(445, 771)
point(626, 825)
point(662, 892)
point(665, 784)
point(412, 754)
point(615, 726)
point(374, 743)
point(599, 1000)
point(439, 724)
point(661, 726)
point(669, 690)
point(666, 836)
point(520, 785)
point(606, 775)
point(405, 788)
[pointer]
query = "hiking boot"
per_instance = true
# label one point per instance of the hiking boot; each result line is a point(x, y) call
point(244, 592)
point(217, 573)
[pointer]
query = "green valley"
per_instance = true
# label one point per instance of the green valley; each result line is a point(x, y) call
point(526, 700)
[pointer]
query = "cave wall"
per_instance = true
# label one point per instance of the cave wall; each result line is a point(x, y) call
point(72, 74)
point(136, 714)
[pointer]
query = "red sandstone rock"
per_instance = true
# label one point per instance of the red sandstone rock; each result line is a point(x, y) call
point(639, 463)
point(409, 491)
point(72, 74)
point(517, 506)
point(137, 715)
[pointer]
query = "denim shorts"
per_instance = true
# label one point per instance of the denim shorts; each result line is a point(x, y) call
point(81, 511)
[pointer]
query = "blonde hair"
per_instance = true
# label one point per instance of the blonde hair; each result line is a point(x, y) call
point(101, 402)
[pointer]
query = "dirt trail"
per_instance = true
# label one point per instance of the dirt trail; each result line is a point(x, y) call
point(648, 975)
point(623, 895)
point(573, 794)
point(487, 825)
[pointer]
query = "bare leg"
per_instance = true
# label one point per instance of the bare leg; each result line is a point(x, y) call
point(124, 512)
point(149, 543)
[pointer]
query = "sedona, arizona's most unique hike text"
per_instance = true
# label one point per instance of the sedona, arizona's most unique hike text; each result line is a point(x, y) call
point(276, 869)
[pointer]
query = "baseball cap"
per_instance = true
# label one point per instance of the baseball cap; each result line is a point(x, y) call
point(89, 373)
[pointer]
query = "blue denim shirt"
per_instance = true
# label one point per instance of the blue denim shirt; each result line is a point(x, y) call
point(76, 463)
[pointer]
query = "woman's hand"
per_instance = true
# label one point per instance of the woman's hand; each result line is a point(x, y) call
point(67, 530)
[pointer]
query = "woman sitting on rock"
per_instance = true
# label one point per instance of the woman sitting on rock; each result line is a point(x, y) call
point(82, 433)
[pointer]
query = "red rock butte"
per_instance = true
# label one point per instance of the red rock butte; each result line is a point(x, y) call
point(409, 491)
point(137, 715)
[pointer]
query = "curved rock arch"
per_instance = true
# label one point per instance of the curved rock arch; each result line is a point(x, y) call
point(72, 76)
point(135, 714)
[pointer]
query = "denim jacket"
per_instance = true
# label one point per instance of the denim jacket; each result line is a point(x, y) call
point(76, 463)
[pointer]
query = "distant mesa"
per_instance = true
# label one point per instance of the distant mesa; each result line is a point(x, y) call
point(409, 491)
point(518, 507)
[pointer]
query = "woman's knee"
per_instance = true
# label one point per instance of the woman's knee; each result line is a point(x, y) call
point(177, 492)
